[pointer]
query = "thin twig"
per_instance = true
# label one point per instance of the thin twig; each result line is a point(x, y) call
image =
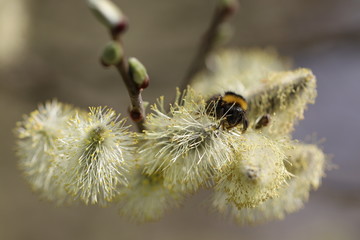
point(137, 111)
point(208, 42)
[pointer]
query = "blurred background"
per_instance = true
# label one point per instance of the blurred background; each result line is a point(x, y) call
point(49, 49)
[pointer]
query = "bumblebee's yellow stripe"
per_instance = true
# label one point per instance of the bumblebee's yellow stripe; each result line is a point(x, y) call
point(233, 98)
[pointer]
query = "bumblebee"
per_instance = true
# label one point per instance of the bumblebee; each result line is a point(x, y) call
point(230, 108)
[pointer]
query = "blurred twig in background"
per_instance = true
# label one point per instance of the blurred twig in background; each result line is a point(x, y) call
point(223, 11)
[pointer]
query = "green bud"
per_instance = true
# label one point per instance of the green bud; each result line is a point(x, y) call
point(112, 54)
point(138, 73)
point(224, 33)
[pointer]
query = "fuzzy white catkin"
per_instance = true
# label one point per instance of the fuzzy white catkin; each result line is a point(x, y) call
point(96, 154)
point(186, 145)
point(284, 96)
point(306, 163)
point(256, 174)
point(38, 149)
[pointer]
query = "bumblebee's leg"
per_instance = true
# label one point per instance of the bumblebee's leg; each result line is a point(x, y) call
point(262, 121)
point(221, 114)
point(245, 123)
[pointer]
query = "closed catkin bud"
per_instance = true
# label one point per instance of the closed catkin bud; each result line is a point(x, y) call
point(138, 73)
point(224, 34)
point(38, 149)
point(257, 173)
point(109, 15)
point(96, 155)
point(112, 54)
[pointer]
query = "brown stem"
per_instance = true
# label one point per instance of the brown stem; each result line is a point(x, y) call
point(208, 42)
point(137, 111)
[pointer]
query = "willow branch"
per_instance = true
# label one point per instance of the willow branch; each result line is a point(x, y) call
point(137, 111)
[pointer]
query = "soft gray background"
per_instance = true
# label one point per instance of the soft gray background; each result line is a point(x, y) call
point(50, 49)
